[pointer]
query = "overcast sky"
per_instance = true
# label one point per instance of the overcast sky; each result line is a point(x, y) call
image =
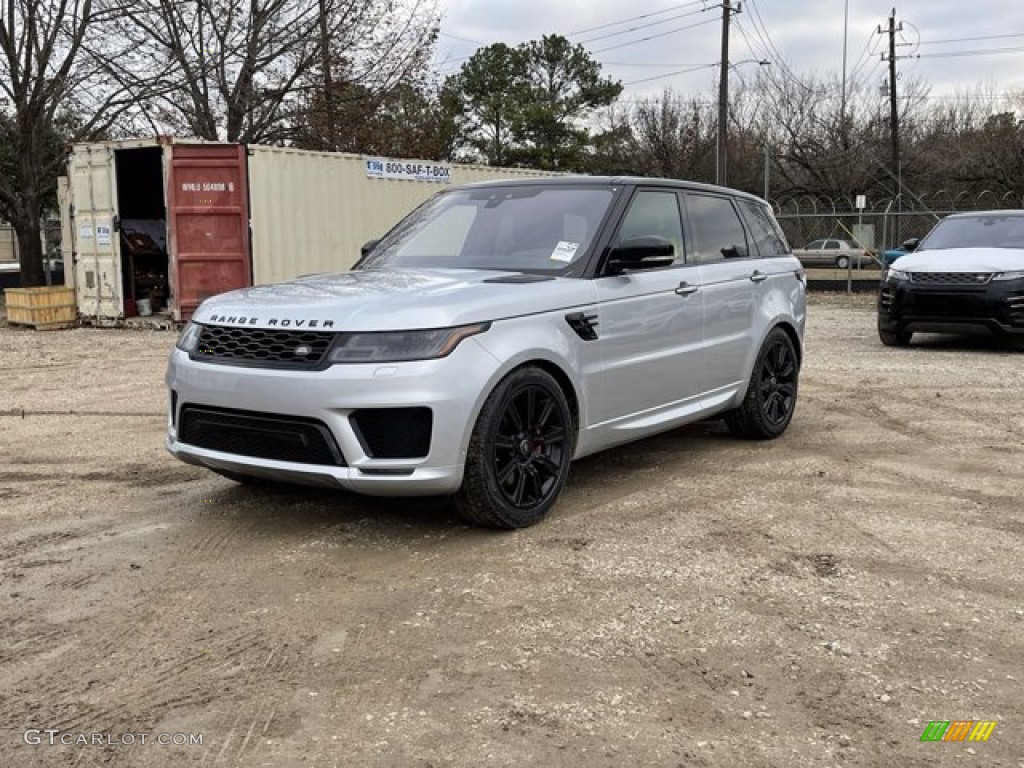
point(961, 44)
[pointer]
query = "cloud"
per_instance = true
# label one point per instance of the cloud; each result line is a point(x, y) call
point(806, 36)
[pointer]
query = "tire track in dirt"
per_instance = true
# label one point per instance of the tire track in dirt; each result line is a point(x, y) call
point(15, 548)
point(183, 682)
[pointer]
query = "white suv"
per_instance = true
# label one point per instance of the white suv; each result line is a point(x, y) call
point(497, 333)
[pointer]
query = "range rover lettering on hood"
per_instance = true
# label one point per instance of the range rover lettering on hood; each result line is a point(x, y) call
point(281, 322)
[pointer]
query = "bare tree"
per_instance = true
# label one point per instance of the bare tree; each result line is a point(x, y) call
point(674, 136)
point(241, 70)
point(53, 92)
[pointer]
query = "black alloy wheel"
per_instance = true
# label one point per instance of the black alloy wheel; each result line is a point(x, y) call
point(519, 453)
point(529, 447)
point(770, 401)
point(778, 382)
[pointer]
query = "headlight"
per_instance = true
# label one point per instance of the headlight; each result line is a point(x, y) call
point(1016, 275)
point(189, 337)
point(395, 346)
point(897, 275)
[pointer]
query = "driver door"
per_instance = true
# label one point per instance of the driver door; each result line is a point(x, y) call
point(651, 328)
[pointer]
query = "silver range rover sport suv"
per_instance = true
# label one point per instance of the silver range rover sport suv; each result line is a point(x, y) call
point(495, 334)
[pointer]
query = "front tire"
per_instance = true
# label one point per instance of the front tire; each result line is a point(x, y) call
point(768, 406)
point(895, 338)
point(519, 452)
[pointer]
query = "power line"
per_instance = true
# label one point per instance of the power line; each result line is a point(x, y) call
point(463, 39)
point(655, 37)
point(641, 26)
point(783, 72)
point(865, 56)
point(971, 39)
point(768, 39)
point(636, 18)
point(956, 54)
point(671, 74)
point(650, 66)
point(451, 61)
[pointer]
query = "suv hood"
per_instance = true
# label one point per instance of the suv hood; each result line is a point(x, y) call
point(962, 260)
point(393, 300)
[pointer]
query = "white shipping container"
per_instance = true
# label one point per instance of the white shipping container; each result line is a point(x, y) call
point(313, 211)
point(175, 220)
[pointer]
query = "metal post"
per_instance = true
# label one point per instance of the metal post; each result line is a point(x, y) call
point(766, 170)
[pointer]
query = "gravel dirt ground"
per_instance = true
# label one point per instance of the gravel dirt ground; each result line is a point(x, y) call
point(693, 600)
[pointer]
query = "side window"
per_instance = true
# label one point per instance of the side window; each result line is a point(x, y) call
point(816, 245)
point(657, 214)
point(832, 245)
point(717, 232)
point(768, 241)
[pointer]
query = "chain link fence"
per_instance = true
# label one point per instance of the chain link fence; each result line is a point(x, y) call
point(882, 225)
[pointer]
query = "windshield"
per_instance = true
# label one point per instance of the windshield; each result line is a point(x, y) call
point(983, 231)
point(521, 229)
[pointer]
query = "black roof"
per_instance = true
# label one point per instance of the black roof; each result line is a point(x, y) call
point(976, 214)
point(616, 181)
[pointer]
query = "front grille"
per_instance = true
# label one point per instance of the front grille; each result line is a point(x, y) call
point(393, 433)
point(263, 347)
point(259, 435)
point(951, 278)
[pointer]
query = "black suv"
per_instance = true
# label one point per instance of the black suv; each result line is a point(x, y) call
point(965, 276)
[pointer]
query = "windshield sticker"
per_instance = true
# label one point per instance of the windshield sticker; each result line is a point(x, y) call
point(564, 251)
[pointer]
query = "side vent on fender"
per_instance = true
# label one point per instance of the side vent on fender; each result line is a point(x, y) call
point(585, 325)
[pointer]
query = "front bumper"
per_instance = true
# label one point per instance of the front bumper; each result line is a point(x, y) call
point(996, 307)
point(452, 388)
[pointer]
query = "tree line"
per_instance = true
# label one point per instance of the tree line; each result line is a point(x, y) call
point(355, 75)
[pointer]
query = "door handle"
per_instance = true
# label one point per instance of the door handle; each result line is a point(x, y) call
point(758, 276)
point(685, 290)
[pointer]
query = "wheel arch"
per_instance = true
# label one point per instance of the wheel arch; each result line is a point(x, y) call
point(558, 370)
point(791, 331)
point(564, 383)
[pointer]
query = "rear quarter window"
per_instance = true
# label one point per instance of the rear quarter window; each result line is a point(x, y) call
point(767, 238)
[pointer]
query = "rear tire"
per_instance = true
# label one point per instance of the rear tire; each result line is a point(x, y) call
point(895, 338)
point(519, 453)
point(768, 406)
point(842, 261)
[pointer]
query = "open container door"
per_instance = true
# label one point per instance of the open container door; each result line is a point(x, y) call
point(208, 223)
point(66, 247)
point(95, 247)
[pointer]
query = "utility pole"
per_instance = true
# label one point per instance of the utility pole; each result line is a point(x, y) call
point(842, 101)
point(721, 174)
point(894, 130)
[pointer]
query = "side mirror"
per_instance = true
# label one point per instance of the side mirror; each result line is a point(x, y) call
point(640, 253)
point(911, 244)
point(365, 250)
